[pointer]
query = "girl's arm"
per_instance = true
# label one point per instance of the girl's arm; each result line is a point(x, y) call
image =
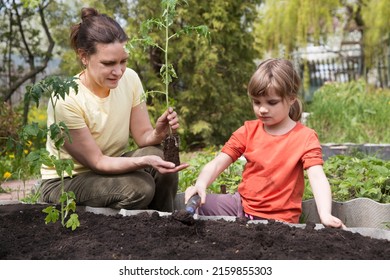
point(207, 176)
point(323, 196)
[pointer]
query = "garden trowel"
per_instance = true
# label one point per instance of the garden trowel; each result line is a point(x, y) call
point(186, 215)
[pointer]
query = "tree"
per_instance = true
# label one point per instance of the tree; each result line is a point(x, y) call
point(376, 26)
point(27, 43)
point(292, 24)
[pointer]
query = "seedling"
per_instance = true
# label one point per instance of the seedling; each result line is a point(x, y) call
point(167, 71)
point(56, 88)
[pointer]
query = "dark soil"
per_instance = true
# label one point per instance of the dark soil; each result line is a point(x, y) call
point(24, 235)
point(171, 148)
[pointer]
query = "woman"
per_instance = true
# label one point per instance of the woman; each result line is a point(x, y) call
point(100, 116)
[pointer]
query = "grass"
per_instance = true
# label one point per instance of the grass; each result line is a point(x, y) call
point(350, 113)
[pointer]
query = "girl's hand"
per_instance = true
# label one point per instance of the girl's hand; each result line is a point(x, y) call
point(193, 190)
point(332, 221)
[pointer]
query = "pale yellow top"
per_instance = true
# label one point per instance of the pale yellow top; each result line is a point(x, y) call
point(107, 118)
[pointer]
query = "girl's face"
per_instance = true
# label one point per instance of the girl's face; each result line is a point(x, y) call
point(272, 109)
point(105, 67)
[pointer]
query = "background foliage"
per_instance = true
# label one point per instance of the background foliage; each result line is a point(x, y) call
point(350, 112)
point(211, 89)
point(210, 93)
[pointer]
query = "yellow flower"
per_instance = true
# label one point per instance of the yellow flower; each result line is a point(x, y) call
point(11, 156)
point(29, 143)
point(7, 175)
point(25, 151)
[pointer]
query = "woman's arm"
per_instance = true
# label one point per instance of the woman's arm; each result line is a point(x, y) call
point(207, 176)
point(323, 196)
point(85, 150)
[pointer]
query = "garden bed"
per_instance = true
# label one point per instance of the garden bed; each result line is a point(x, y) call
point(381, 151)
point(151, 235)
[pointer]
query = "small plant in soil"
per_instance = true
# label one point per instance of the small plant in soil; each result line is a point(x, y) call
point(56, 88)
point(167, 71)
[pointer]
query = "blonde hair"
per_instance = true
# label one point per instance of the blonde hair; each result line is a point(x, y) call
point(280, 75)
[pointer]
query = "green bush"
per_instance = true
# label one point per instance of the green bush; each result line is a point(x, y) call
point(16, 144)
point(352, 177)
point(10, 122)
point(350, 112)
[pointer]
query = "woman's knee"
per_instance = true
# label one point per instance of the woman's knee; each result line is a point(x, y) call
point(138, 193)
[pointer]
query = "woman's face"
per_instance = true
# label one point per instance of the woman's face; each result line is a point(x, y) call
point(105, 67)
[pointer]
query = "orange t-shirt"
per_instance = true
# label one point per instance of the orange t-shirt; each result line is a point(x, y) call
point(273, 181)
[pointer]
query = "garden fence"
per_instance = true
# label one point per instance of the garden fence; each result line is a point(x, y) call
point(341, 69)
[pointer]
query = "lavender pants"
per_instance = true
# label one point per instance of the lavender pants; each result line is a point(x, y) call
point(222, 205)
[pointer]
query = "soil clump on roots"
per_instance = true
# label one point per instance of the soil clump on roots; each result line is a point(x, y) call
point(171, 148)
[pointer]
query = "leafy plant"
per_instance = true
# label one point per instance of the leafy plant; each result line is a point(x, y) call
point(164, 23)
point(167, 71)
point(350, 112)
point(56, 87)
point(15, 148)
point(352, 177)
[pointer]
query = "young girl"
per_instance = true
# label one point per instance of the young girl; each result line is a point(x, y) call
point(277, 148)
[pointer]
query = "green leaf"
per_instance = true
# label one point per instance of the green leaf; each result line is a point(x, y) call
point(53, 214)
point(30, 130)
point(73, 222)
point(167, 73)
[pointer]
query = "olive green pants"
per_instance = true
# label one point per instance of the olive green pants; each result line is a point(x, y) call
point(140, 189)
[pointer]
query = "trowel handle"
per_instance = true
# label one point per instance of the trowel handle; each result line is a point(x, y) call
point(192, 204)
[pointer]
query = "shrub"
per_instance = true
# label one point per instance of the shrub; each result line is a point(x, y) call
point(350, 112)
point(353, 176)
point(10, 122)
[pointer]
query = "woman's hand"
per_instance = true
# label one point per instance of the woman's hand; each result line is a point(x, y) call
point(168, 119)
point(163, 166)
point(142, 131)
